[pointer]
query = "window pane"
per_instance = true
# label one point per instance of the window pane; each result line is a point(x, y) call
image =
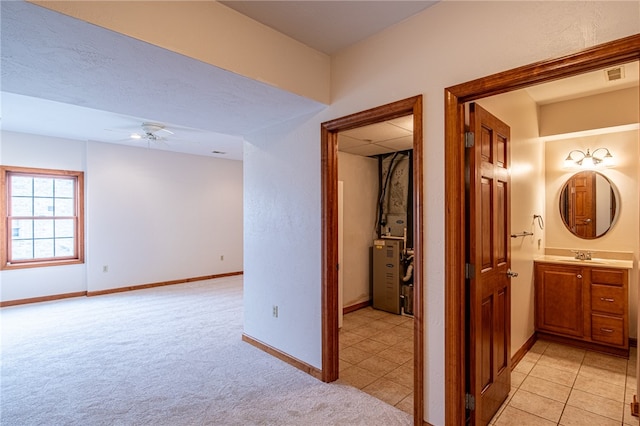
point(65, 247)
point(43, 187)
point(22, 249)
point(64, 228)
point(64, 207)
point(64, 187)
point(43, 248)
point(43, 206)
point(21, 185)
point(43, 229)
point(21, 229)
point(21, 206)
point(42, 217)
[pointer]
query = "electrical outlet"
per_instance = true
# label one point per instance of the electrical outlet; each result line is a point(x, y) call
point(275, 311)
point(105, 268)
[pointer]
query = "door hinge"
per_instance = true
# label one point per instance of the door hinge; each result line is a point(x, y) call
point(469, 139)
point(469, 271)
point(469, 401)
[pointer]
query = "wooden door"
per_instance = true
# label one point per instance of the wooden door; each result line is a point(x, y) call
point(583, 185)
point(489, 294)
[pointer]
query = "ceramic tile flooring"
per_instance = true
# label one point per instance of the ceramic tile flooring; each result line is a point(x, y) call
point(376, 355)
point(555, 384)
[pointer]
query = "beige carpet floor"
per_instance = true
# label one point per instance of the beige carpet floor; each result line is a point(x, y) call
point(165, 356)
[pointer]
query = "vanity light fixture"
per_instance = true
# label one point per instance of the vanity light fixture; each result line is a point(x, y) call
point(588, 160)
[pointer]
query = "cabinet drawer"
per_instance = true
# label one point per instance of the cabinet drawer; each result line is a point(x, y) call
point(607, 329)
point(607, 298)
point(607, 276)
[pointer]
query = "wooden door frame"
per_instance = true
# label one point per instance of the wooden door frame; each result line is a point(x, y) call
point(329, 171)
point(608, 54)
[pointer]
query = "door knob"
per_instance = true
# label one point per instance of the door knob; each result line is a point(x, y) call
point(511, 274)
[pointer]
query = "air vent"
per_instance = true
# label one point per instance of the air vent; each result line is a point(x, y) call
point(613, 74)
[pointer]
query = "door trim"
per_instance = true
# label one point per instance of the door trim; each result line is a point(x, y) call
point(608, 54)
point(329, 172)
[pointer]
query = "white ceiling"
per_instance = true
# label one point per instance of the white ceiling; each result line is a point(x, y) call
point(329, 26)
point(102, 86)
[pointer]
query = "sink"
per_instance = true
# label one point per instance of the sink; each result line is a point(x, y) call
point(594, 262)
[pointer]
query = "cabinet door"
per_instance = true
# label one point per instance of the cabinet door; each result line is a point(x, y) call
point(559, 300)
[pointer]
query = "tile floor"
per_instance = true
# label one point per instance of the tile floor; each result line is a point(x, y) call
point(560, 385)
point(376, 355)
point(553, 384)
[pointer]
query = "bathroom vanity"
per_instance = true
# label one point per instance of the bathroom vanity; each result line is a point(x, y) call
point(583, 302)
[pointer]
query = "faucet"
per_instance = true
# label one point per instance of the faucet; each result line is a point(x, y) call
point(582, 255)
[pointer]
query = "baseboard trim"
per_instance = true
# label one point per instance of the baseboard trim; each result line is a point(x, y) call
point(162, 283)
point(114, 290)
point(517, 357)
point(635, 406)
point(592, 346)
point(41, 299)
point(355, 307)
point(300, 365)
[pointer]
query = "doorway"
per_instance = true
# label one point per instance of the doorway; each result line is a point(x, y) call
point(619, 51)
point(376, 255)
point(329, 167)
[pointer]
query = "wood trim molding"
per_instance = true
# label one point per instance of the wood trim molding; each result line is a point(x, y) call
point(42, 299)
point(608, 54)
point(329, 166)
point(313, 371)
point(162, 283)
point(520, 353)
point(79, 199)
point(356, 307)
point(635, 406)
point(115, 290)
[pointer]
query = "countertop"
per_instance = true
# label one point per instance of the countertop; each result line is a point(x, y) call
point(568, 260)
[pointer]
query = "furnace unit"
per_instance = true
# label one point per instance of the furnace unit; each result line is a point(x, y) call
point(387, 274)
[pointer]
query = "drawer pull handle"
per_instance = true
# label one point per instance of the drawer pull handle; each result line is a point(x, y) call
point(606, 330)
point(579, 276)
point(607, 299)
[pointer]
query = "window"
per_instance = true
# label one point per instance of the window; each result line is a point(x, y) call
point(43, 217)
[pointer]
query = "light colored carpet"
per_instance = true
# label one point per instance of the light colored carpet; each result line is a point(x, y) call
point(165, 356)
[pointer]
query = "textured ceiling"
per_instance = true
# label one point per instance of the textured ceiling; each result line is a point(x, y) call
point(86, 74)
point(63, 77)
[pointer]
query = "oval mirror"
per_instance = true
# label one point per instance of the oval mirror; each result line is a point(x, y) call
point(588, 204)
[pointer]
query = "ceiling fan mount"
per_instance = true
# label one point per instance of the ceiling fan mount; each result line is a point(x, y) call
point(150, 131)
point(152, 128)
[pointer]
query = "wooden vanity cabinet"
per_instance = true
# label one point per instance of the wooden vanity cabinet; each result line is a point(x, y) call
point(583, 305)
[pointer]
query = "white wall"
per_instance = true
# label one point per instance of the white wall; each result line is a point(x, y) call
point(422, 55)
point(282, 238)
point(519, 111)
point(360, 177)
point(150, 215)
point(156, 216)
point(19, 149)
